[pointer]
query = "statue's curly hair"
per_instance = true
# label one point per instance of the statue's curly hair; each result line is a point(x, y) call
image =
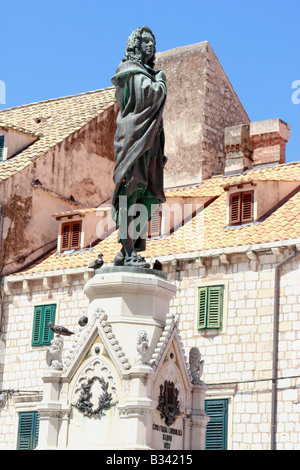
point(133, 49)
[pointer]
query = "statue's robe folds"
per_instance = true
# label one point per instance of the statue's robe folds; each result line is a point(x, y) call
point(139, 138)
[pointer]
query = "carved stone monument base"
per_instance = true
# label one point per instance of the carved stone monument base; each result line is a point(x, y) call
point(126, 382)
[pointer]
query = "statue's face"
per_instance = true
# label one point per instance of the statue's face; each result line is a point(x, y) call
point(147, 46)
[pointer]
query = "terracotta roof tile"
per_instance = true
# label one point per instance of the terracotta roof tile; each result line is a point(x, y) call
point(284, 172)
point(204, 232)
point(216, 185)
point(207, 189)
point(60, 118)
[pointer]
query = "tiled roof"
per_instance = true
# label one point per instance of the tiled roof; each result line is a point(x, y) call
point(216, 185)
point(59, 118)
point(207, 189)
point(18, 129)
point(81, 212)
point(207, 230)
point(285, 172)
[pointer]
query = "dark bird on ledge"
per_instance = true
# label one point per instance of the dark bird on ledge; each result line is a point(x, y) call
point(83, 321)
point(157, 265)
point(60, 330)
point(97, 263)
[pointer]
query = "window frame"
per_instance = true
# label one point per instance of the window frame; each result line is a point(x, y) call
point(2, 148)
point(29, 423)
point(215, 421)
point(156, 215)
point(41, 334)
point(70, 245)
point(236, 207)
point(206, 299)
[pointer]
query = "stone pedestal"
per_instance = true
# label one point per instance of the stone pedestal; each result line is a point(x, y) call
point(125, 382)
point(134, 300)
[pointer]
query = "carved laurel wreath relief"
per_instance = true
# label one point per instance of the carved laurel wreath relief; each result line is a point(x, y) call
point(95, 390)
point(84, 403)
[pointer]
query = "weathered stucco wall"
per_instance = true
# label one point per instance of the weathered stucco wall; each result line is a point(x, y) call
point(80, 167)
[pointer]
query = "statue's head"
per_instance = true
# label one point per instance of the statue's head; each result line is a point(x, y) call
point(142, 336)
point(195, 354)
point(140, 46)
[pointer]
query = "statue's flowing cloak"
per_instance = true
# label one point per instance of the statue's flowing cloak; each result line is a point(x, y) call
point(139, 136)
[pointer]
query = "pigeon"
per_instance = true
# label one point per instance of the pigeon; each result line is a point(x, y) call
point(157, 265)
point(83, 321)
point(97, 263)
point(60, 330)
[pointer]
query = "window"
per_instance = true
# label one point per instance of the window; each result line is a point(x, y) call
point(28, 432)
point(241, 207)
point(71, 235)
point(41, 334)
point(210, 307)
point(154, 225)
point(1, 147)
point(216, 429)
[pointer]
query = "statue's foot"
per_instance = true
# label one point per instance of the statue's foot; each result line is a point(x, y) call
point(119, 259)
point(136, 261)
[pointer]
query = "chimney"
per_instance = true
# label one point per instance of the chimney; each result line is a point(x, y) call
point(238, 147)
point(269, 139)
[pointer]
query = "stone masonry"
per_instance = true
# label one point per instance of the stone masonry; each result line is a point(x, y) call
point(195, 134)
point(238, 358)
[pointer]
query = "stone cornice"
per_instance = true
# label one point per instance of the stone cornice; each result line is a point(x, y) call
point(65, 275)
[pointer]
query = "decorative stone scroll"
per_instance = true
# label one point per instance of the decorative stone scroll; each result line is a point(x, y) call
point(98, 320)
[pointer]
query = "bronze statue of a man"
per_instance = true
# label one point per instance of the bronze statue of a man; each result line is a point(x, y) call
point(138, 145)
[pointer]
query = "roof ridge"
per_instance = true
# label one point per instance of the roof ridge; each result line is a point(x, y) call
point(273, 167)
point(56, 99)
point(4, 125)
point(184, 186)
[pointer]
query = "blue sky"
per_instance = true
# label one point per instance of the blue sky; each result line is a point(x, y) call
point(63, 47)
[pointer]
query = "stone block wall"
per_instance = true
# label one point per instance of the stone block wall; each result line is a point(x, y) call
point(238, 357)
point(22, 365)
point(201, 103)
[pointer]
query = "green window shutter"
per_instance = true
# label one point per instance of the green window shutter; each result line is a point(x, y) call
point(36, 430)
point(41, 334)
point(216, 429)
point(215, 307)
point(202, 307)
point(1, 147)
point(28, 430)
point(210, 307)
point(37, 322)
point(49, 315)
